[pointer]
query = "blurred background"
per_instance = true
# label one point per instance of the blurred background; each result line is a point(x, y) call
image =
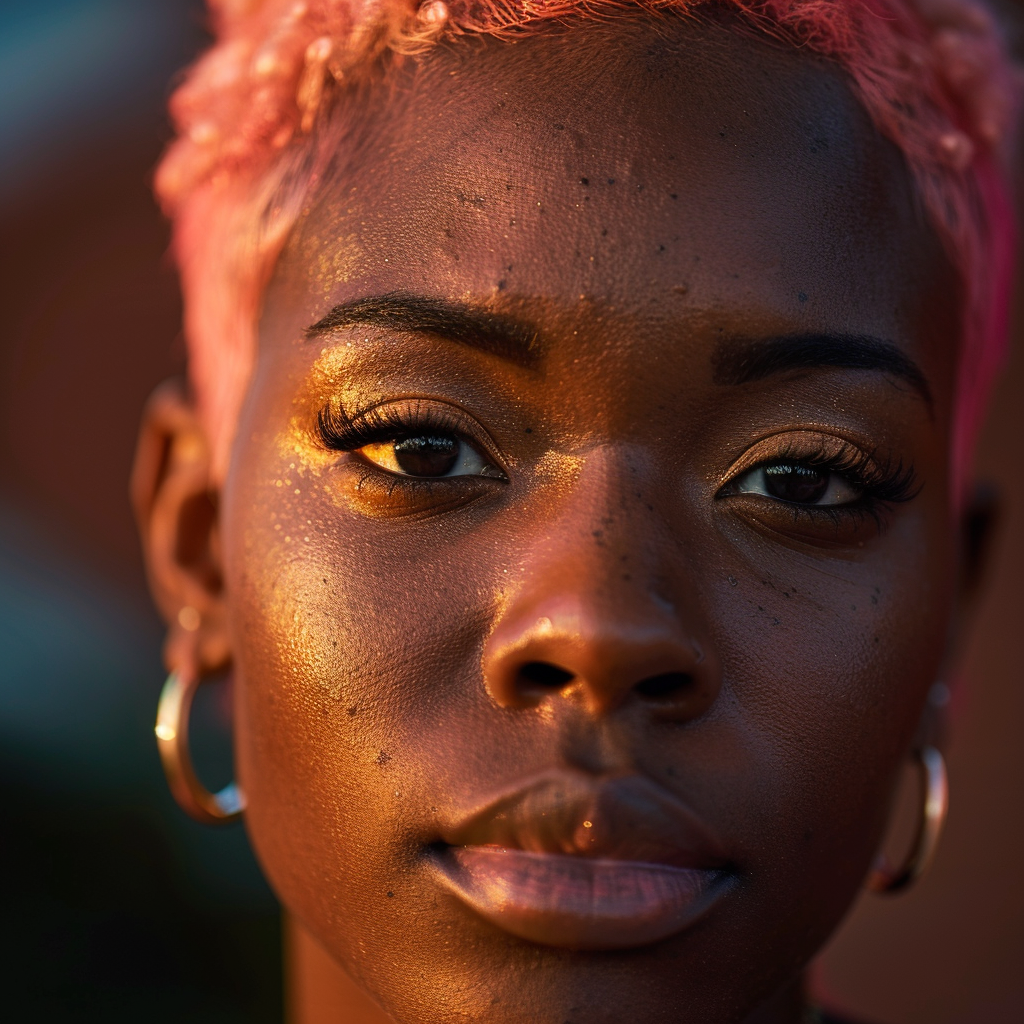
point(117, 907)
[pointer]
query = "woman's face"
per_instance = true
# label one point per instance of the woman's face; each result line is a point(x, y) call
point(588, 562)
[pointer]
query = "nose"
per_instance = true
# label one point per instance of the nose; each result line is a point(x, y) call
point(580, 629)
point(601, 659)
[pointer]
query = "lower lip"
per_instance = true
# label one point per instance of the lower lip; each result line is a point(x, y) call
point(579, 902)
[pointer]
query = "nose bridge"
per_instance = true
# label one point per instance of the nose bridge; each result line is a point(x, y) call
point(605, 530)
point(599, 613)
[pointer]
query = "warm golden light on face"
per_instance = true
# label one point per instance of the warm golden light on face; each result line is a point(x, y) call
point(553, 637)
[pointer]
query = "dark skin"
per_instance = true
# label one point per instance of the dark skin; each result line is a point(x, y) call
point(625, 365)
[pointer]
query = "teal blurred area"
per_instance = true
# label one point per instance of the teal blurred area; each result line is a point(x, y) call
point(116, 906)
point(73, 69)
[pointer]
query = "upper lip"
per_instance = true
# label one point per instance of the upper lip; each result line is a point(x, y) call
point(622, 817)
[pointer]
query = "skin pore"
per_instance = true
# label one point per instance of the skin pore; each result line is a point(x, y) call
point(597, 445)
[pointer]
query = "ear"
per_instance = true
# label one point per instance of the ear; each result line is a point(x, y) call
point(978, 526)
point(176, 501)
point(979, 521)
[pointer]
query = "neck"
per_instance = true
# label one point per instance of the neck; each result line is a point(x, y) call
point(787, 1006)
point(318, 991)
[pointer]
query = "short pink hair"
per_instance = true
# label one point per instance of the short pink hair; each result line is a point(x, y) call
point(934, 76)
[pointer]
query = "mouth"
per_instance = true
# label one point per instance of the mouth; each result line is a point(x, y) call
point(585, 863)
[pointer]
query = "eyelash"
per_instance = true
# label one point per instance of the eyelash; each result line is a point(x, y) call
point(882, 482)
point(338, 431)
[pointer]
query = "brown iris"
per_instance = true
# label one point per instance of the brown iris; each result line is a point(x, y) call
point(788, 481)
point(426, 455)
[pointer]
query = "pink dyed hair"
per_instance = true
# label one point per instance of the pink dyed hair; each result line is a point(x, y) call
point(933, 75)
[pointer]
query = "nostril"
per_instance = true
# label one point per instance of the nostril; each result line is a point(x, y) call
point(667, 685)
point(543, 674)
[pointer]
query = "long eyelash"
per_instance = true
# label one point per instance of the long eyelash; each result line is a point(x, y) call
point(338, 431)
point(880, 480)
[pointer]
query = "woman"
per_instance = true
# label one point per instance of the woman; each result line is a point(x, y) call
point(575, 479)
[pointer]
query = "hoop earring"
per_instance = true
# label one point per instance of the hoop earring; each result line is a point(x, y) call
point(172, 742)
point(884, 879)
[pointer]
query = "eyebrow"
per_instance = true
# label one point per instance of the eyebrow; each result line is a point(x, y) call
point(495, 333)
point(741, 362)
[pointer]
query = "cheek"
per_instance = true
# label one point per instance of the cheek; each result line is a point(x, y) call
point(828, 664)
point(355, 653)
point(362, 718)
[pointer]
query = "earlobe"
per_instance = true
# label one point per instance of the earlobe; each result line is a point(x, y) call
point(175, 501)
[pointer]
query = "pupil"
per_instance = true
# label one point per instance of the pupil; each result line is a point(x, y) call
point(802, 485)
point(426, 456)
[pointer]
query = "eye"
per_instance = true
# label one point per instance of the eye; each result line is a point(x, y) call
point(797, 483)
point(429, 455)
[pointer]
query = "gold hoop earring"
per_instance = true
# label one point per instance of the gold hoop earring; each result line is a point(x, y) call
point(172, 742)
point(884, 879)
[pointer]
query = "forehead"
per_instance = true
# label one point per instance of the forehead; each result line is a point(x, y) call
point(674, 170)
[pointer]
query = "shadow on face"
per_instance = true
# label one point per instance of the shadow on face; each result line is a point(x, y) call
point(587, 546)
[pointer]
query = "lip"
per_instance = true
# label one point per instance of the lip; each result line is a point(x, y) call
point(585, 863)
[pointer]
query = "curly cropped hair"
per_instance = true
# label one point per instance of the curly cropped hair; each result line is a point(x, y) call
point(253, 120)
